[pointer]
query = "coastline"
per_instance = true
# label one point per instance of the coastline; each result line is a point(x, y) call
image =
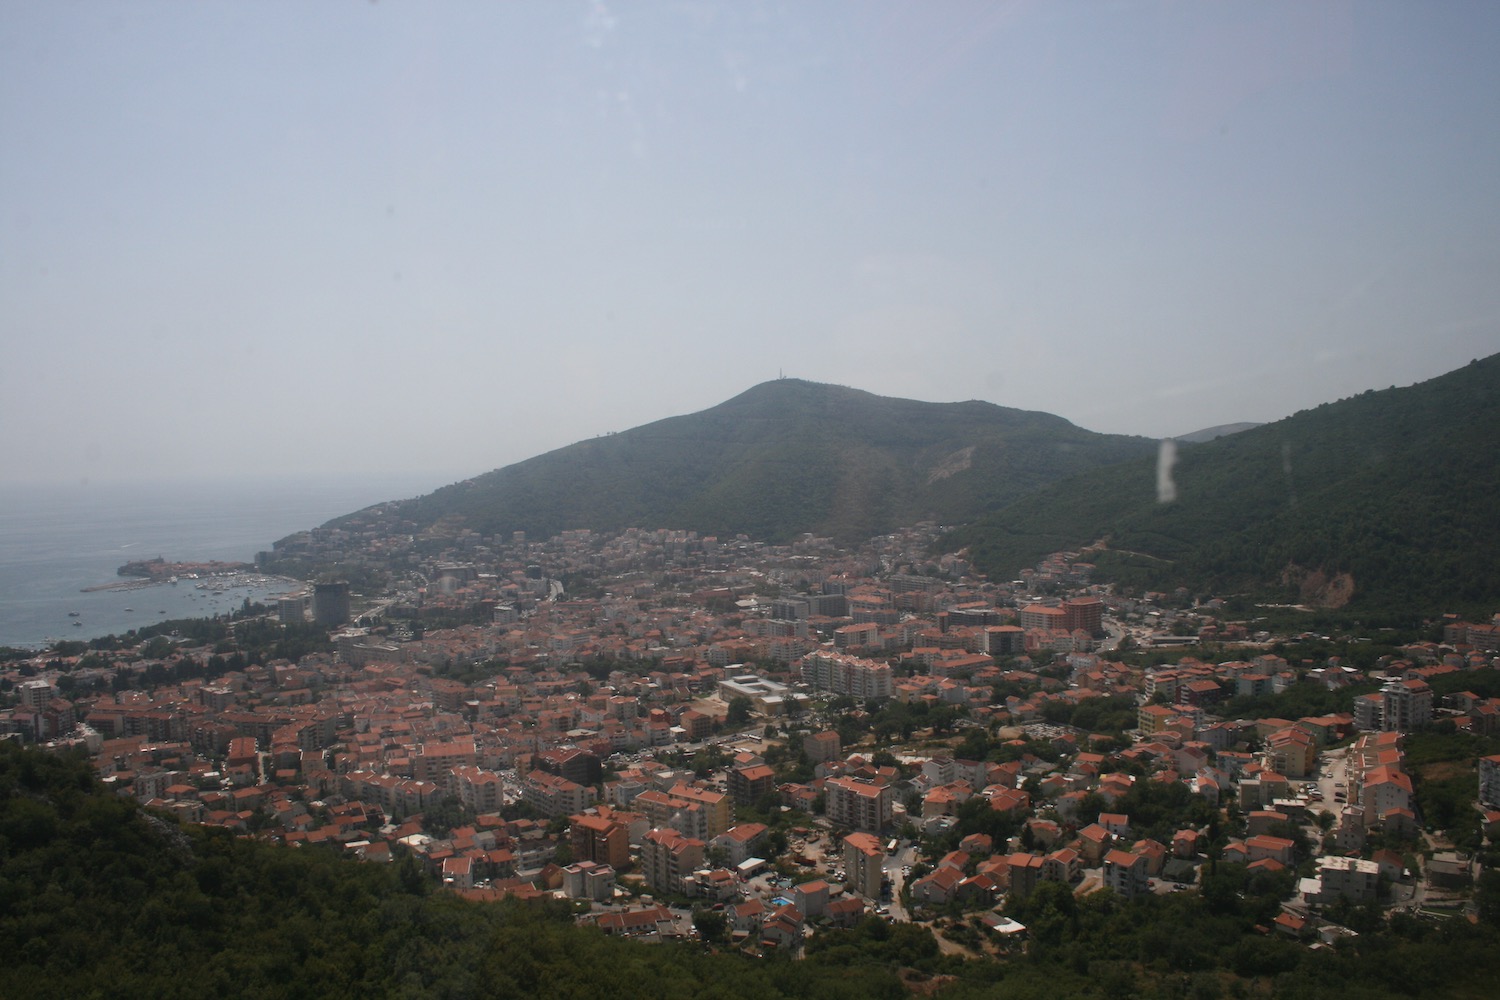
point(61, 548)
point(217, 582)
point(123, 585)
point(105, 611)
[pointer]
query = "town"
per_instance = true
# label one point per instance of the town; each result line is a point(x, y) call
point(693, 737)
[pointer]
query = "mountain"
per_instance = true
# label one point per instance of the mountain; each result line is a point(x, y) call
point(1383, 499)
point(780, 459)
point(1209, 433)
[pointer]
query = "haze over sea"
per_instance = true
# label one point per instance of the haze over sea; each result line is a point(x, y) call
point(57, 540)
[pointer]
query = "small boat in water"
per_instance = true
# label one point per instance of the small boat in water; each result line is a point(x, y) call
point(72, 614)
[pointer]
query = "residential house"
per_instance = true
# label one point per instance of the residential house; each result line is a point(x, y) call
point(978, 890)
point(587, 880)
point(746, 917)
point(1025, 871)
point(1093, 841)
point(1278, 849)
point(668, 858)
point(1353, 879)
point(857, 804)
point(782, 930)
point(938, 887)
point(1155, 854)
point(749, 784)
point(1385, 788)
point(822, 746)
point(846, 911)
point(1125, 873)
point(596, 839)
point(1063, 865)
point(742, 842)
point(864, 864)
point(811, 898)
point(648, 922)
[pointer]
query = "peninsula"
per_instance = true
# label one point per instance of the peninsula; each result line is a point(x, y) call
point(159, 569)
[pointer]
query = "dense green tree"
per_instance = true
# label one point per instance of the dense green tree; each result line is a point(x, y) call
point(712, 926)
point(1365, 486)
point(739, 710)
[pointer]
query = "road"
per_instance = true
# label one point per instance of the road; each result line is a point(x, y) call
point(1114, 633)
point(1333, 779)
point(904, 857)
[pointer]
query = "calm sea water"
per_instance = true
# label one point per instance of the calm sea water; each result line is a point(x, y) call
point(56, 541)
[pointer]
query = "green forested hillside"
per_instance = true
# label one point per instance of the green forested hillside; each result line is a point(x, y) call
point(1395, 488)
point(98, 898)
point(780, 459)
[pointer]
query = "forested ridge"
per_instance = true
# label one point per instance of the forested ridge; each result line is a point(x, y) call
point(1393, 488)
point(780, 459)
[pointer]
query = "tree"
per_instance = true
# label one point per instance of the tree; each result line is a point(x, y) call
point(1049, 913)
point(708, 760)
point(974, 746)
point(1487, 895)
point(442, 816)
point(739, 710)
point(711, 925)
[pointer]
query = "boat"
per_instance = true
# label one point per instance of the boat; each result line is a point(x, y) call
point(72, 614)
point(78, 624)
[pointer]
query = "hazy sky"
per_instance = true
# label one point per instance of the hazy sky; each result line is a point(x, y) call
point(348, 237)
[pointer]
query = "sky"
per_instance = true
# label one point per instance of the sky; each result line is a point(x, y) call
point(351, 238)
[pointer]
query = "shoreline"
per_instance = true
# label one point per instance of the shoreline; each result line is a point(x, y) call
point(56, 545)
point(126, 585)
point(184, 603)
point(220, 581)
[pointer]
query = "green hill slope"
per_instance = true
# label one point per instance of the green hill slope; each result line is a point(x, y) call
point(782, 458)
point(1385, 498)
point(99, 898)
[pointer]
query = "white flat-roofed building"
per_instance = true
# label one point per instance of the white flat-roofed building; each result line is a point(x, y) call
point(769, 697)
point(1354, 879)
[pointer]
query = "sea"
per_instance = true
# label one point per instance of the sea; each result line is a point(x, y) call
point(57, 541)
